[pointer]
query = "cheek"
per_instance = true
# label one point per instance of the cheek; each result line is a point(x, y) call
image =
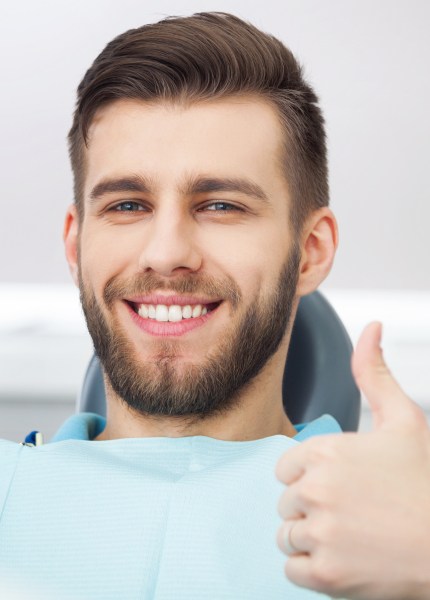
point(253, 258)
point(104, 256)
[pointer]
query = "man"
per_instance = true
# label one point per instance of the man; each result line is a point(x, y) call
point(200, 219)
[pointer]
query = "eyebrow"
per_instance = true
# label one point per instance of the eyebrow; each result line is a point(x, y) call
point(193, 186)
point(226, 184)
point(124, 184)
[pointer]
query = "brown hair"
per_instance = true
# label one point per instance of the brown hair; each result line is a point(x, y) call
point(207, 56)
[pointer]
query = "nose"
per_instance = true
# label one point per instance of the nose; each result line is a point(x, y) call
point(169, 245)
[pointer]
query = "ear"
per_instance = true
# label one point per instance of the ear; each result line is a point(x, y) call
point(318, 242)
point(71, 240)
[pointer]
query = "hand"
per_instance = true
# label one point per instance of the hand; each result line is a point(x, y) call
point(359, 503)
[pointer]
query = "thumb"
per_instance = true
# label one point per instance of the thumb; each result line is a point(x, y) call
point(391, 408)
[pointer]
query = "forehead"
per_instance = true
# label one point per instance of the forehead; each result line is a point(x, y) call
point(165, 142)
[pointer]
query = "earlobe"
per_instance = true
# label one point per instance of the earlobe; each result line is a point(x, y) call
point(319, 244)
point(70, 238)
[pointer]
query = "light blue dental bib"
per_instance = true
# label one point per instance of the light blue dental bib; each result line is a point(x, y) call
point(144, 518)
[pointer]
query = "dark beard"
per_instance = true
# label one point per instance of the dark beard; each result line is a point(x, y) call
point(211, 387)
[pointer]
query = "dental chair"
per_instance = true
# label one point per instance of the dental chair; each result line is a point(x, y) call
point(317, 377)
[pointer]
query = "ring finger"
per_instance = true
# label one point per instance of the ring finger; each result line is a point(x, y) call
point(293, 537)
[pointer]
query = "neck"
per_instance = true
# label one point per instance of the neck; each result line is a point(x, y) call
point(125, 423)
point(258, 413)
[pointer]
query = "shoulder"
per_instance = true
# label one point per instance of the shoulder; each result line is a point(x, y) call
point(80, 426)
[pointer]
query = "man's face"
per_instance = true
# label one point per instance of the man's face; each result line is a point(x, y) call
point(187, 269)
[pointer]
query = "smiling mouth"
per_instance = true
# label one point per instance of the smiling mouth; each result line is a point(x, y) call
point(172, 313)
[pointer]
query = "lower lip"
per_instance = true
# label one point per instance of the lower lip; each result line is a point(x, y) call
point(167, 329)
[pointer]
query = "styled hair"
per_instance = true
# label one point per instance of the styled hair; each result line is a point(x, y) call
point(210, 55)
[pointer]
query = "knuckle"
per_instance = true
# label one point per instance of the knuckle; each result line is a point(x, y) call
point(324, 530)
point(325, 450)
point(414, 421)
point(325, 574)
point(310, 492)
point(382, 370)
point(367, 374)
point(418, 418)
point(316, 491)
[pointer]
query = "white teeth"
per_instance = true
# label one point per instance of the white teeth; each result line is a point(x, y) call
point(187, 312)
point(143, 311)
point(161, 313)
point(173, 313)
point(197, 311)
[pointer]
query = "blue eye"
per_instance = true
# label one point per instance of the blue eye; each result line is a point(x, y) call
point(221, 206)
point(127, 207)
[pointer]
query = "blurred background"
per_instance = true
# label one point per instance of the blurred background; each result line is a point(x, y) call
point(369, 63)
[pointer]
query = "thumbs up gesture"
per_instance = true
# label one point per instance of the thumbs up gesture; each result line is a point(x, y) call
point(356, 510)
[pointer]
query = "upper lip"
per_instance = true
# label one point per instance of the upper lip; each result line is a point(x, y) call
point(172, 299)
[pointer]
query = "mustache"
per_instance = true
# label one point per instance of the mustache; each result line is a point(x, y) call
point(146, 283)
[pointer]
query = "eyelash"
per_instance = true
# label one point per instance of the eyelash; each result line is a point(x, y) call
point(230, 207)
point(117, 207)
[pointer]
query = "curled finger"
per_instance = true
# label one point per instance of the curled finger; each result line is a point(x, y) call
point(293, 537)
